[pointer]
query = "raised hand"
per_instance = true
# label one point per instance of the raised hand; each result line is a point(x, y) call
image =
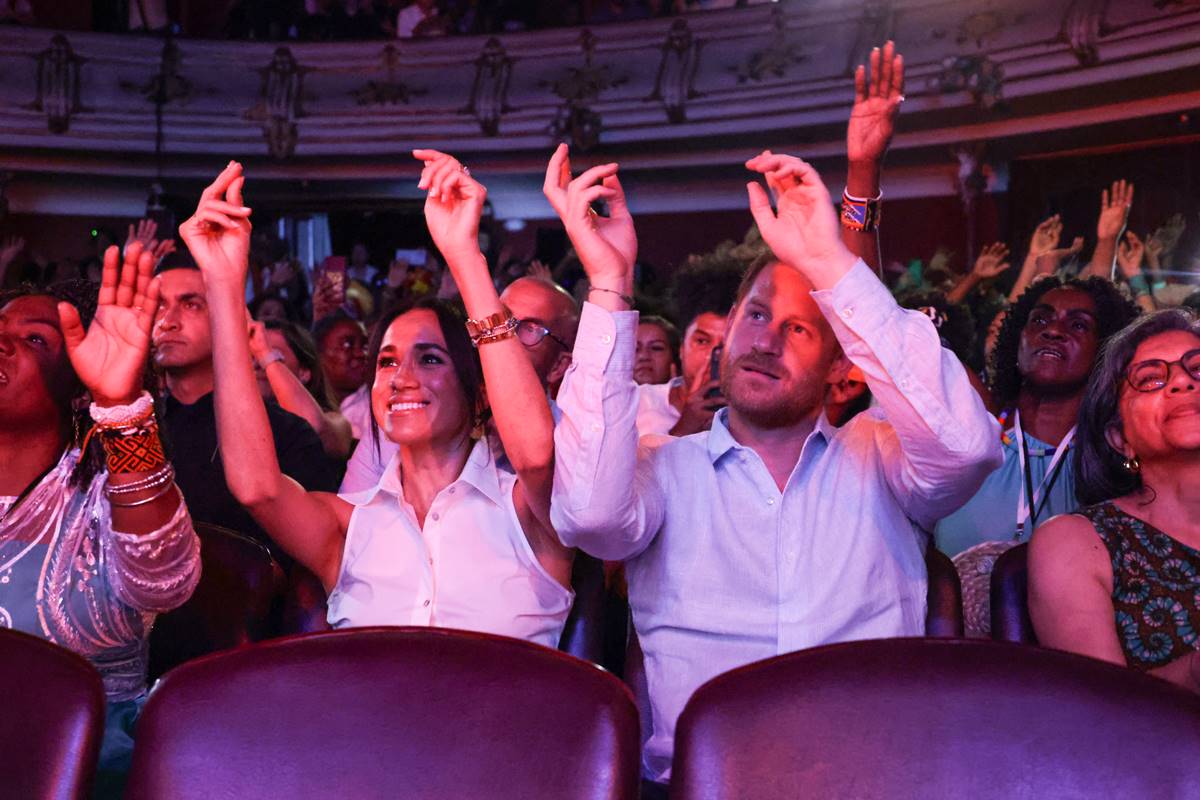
point(218, 234)
point(1048, 261)
point(144, 234)
point(1129, 254)
point(163, 249)
point(607, 246)
point(876, 104)
point(804, 230)
point(992, 261)
point(539, 272)
point(1114, 210)
point(260, 348)
point(1045, 236)
point(453, 205)
point(110, 356)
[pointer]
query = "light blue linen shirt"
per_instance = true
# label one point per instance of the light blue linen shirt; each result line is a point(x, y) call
point(723, 568)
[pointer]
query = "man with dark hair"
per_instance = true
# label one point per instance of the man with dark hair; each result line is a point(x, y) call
point(182, 350)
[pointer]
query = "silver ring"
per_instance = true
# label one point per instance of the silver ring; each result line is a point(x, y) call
point(466, 171)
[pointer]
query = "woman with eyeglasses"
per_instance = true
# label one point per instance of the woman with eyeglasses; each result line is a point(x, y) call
point(1119, 579)
point(446, 538)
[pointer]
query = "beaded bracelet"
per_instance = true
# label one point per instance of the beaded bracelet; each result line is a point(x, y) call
point(628, 300)
point(861, 213)
point(165, 474)
point(141, 451)
point(150, 499)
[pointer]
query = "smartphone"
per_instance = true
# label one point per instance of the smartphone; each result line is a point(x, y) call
point(714, 369)
point(334, 268)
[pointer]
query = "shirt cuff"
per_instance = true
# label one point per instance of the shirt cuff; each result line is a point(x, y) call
point(606, 340)
point(859, 301)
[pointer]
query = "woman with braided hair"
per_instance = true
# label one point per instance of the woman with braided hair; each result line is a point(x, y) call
point(95, 539)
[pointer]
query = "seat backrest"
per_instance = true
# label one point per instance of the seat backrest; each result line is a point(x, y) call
point(232, 604)
point(918, 718)
point(387, 712)
point(304, 607)
point(583, 633)
point(1009, 597)
point(944, 612)
point(51, 719)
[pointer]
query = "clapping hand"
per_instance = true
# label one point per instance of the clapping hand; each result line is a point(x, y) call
point(876, 104)
point(1129, 254)
point(804, 230)
point(110, 356)
point(607, 246)
point(1045, 236)
point(218, 234)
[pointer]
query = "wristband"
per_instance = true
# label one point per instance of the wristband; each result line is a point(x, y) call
point(861, 213)
point(132, 452)
point(1139, 285)
point(270, 358)
point(129, 416)
point(628, 300)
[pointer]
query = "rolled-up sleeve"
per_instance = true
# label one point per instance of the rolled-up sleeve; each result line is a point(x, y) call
point(153, 572)
point(602, 503)
point(945, 442)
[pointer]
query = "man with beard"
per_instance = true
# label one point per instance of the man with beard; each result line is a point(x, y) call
point(182, 339)
point(773, 531)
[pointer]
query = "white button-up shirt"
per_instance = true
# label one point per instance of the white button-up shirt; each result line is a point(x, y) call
point(723, 568)
point(655, 412)
point(470, 566)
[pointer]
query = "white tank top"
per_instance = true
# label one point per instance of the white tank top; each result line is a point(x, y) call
point(470, 567)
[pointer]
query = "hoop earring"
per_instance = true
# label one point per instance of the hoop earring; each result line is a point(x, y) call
point(1132, 465)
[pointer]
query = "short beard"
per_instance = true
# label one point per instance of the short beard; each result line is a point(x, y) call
point(781, 410)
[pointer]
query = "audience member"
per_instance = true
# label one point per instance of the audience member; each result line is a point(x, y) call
point(844, 508)
point(656, 359)
point(342, 344)
point(269, 307)
point(297, 382)
point(94, 539)
point(183, 351)
point(1119, 580)
point(420, 19)
point(446, 537)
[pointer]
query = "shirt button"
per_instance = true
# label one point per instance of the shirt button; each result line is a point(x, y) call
point(596, 427)
point(436, 517)
point(903, 383)
point(770, 501)
point(426, 604)
point(606, 339)
point(848, 312)
point(452, 488)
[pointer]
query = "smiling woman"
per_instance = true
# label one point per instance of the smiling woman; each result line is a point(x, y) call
point(446, 537)
point(1136, 599)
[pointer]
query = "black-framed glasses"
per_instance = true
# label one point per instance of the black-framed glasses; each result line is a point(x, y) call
point(530, 333)
point(1153, 374)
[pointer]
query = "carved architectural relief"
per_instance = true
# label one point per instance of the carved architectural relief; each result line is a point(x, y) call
point(168, 85)
point(489, 89)
point(675, 83)
point(774, 60)
point(59, 87)
point(280, 103)
point(390, 91)
point(576, 122)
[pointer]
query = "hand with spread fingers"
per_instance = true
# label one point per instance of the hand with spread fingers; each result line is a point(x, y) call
point(1114, 210)
point(110, 357)
point(1045, 236)
point(607, 246)
point(992, 261)
point(1129, 254)
point(218, 234)
point(453, 205)
point(876, 104)
point(803, 229)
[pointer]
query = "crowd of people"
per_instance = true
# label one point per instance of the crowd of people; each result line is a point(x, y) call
point(765, 454)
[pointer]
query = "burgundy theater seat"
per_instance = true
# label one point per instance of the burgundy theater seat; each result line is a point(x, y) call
point(1009, 599)
point(934, 718)
point(51, 719)
point(304, 606)
point(387, 712)
point(232, 604)
point(943, 610)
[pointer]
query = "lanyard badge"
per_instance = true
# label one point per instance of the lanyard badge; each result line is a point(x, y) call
point(1030, 501)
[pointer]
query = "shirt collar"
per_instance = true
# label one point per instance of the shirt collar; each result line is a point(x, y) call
point(479, 472)
point(721, 441)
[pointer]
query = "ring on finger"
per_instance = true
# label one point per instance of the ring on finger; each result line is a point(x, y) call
point(464, 169)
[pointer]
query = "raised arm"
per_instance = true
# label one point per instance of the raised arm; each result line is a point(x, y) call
point(1114, 213)
point(292, 395)
point(991, 263)
point(1130, 251)
point(453, 205)
point(310, 527)
point(604, 501)
point(1070, 597)
point(945, 441)
point(877, 100)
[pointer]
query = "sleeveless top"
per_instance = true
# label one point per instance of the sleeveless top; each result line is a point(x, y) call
point(469, 566)
point(68, 577)
point(1156, 587)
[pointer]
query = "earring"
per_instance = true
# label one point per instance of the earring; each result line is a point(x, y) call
point(1132, 465)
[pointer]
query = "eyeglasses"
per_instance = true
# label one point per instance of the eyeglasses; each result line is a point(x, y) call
point(530, 333)
point(1152, 375)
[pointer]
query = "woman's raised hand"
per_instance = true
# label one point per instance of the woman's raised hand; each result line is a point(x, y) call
point(218, 234)
point(110, 357)
point(607, 246)
point(453, 205)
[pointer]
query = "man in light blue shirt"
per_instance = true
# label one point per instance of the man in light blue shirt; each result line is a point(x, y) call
point(774, 531)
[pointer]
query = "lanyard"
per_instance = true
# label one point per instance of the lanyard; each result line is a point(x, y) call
point(1030, 501)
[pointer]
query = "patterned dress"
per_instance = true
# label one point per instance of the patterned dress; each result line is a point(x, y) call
point(1156, 587)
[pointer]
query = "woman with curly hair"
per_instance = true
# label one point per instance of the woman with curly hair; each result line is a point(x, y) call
point(1119, 579)
point(1045, 353)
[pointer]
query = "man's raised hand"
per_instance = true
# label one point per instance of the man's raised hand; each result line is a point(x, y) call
point(607, 246)
point(218, 234)
point(803, 230)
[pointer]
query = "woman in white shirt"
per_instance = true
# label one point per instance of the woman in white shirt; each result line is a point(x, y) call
point(445, 538)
